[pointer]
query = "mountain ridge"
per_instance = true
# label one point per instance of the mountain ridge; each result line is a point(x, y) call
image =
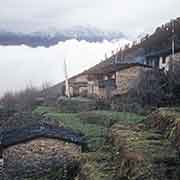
point(50, 38)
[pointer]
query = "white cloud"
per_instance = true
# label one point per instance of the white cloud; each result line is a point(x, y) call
point(22, 65)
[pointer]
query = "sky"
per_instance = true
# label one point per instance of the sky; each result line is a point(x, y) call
point(22, 65)
point(129, 16)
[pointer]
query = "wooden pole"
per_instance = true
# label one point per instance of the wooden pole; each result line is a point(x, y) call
point(173, 44)
point(173, 39)
point(67, 92)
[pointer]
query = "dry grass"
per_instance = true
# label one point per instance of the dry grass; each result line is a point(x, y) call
point(167, 120)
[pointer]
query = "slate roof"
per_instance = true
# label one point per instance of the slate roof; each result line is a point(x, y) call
point(110, 68)
point(21, 135)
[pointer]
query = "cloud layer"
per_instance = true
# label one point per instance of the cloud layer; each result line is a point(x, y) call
point(21, 65)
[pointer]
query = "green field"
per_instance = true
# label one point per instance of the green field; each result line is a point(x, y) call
point(93, 124)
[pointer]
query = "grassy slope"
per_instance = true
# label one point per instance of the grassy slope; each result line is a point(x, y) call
point(93, 124)
point(105, 163)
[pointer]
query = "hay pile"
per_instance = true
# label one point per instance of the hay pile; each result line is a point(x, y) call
point(132, 152)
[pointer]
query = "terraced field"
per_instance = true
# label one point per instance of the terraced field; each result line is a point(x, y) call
point(93, 124)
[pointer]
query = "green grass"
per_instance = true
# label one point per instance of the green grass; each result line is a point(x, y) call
point(93, 124)
point(72, 120)
point(119, 116)
point(44, 109)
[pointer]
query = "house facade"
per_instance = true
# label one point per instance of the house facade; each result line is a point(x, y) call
point(78, 85)
point(115, 79)
point(127, 79)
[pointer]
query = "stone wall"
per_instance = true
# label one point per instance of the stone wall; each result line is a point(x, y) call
point(78, 85)
point(37, 157)
point(83, 91)
point(94, 90)
point(127, 78)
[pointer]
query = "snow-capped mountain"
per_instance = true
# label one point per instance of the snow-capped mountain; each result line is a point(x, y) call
point(49, 38)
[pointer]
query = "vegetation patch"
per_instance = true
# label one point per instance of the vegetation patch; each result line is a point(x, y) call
point(77, 104)
point(94, 124)
point(132, 152)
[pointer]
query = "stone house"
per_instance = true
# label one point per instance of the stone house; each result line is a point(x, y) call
point(78, 86)
point(110, 78)
point(106, 79)
point(114, 79)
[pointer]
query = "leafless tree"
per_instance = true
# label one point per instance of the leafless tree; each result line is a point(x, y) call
point(24, 100)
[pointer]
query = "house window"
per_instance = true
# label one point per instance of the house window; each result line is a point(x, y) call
point(164, 60)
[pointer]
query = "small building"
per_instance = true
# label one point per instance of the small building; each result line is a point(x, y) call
point(107, 79)
point(115, 79)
